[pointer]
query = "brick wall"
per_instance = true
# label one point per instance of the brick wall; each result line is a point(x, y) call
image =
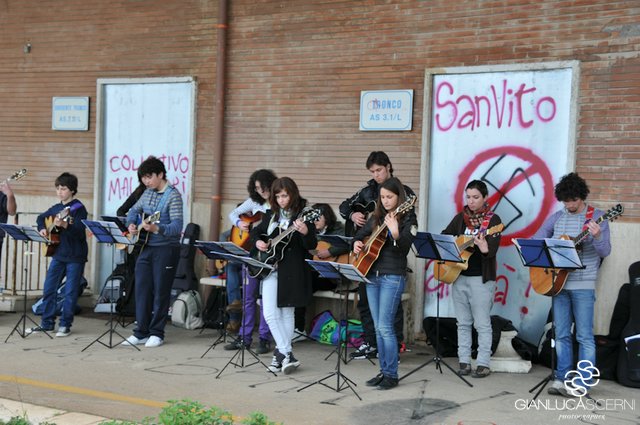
point(296, 69)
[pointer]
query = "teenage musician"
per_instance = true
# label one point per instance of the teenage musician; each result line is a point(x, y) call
point(574, 304)
point(474, 289)
point(387, 274)
point(156, 263)
point(69, 257)
point(259, 188)
point(289, 284)
point(354, 210)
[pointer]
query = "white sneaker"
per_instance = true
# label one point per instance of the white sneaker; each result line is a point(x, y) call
point(132, 340)
point(154, 341)
point(299, 336)
point(63, 331)
point(289, 364)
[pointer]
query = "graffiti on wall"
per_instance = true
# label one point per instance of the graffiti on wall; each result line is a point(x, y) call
point(510, 130)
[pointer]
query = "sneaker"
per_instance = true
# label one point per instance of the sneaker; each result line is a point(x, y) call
point(63, 331)
point(554, 389)
point(481, 372)
point(298, 336)
point(465, 369)
point(154, 341)
point(263, 347)
point(37, 329)
point(276, 362)
point(236, 345)
point(365, 351)
point(133, 340)
point(289, 364)
point(387, 383)
point(375, 381)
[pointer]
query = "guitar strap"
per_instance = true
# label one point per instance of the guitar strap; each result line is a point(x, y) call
point(485, 221)
point(165, 198)
point(588, 217)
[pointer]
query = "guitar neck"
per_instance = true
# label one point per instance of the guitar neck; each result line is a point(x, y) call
point(582, 235)
point(276, 240)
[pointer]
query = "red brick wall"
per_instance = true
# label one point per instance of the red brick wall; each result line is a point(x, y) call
point(296, 69)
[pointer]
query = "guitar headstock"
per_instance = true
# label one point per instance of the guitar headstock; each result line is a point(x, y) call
point(407, 205)
point(613, 213)
point(310, 215)
point(153, 218)
point(18, 175)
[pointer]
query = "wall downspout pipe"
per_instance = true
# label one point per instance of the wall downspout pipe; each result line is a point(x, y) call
point(218, 141)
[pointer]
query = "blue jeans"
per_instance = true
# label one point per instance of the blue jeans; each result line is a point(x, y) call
point(57, 270)
point(573, 306)
point(384, 294)
point(234, 285)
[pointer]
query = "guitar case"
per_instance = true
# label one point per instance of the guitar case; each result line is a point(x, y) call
point(185, 278)
point(629, 354)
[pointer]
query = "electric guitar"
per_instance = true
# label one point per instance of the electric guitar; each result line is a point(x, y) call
point(240, 237)
point(53, 231)
point(278, 241)
point(448, 271)
point(350, 228)
point(372, 246)
point(551, 281)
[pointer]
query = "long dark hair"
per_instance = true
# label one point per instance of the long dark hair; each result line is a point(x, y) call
point(265, 178)
point(393, 184)
point(296, 202)
point(329, 216)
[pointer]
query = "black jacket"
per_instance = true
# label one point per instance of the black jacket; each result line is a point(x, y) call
point(489, 263)
point(393, 255)
point(294, 274)
point(364, 199)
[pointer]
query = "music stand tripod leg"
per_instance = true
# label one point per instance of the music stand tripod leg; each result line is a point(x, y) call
point(437, 358)
point(346, 382)
point(23, 319)
point(543, 383)
point(241, 344)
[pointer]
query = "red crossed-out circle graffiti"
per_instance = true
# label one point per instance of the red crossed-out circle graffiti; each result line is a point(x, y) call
point(537, 167)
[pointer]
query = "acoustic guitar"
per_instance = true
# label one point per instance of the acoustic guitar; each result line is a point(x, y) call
point(373, 244)
point(447, 271)
point(278, 241)
point(240, 237)
point(342, 258)
point(53, 231)
point(141, 238)
point(15, 176)
point(549, 282)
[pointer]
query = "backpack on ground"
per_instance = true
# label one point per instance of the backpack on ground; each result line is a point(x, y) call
point(187, 310)
point(214, 314)
point(38, 306)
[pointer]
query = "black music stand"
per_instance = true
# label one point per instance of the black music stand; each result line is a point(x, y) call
point(550, 254)
point(232, 253)
point(349, 272)
point(440, 248)
point(26, 235)
point(108, 232)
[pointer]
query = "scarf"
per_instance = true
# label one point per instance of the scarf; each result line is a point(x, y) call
point(474, 220)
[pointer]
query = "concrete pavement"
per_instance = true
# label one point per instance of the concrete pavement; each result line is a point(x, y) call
point(54, 380)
